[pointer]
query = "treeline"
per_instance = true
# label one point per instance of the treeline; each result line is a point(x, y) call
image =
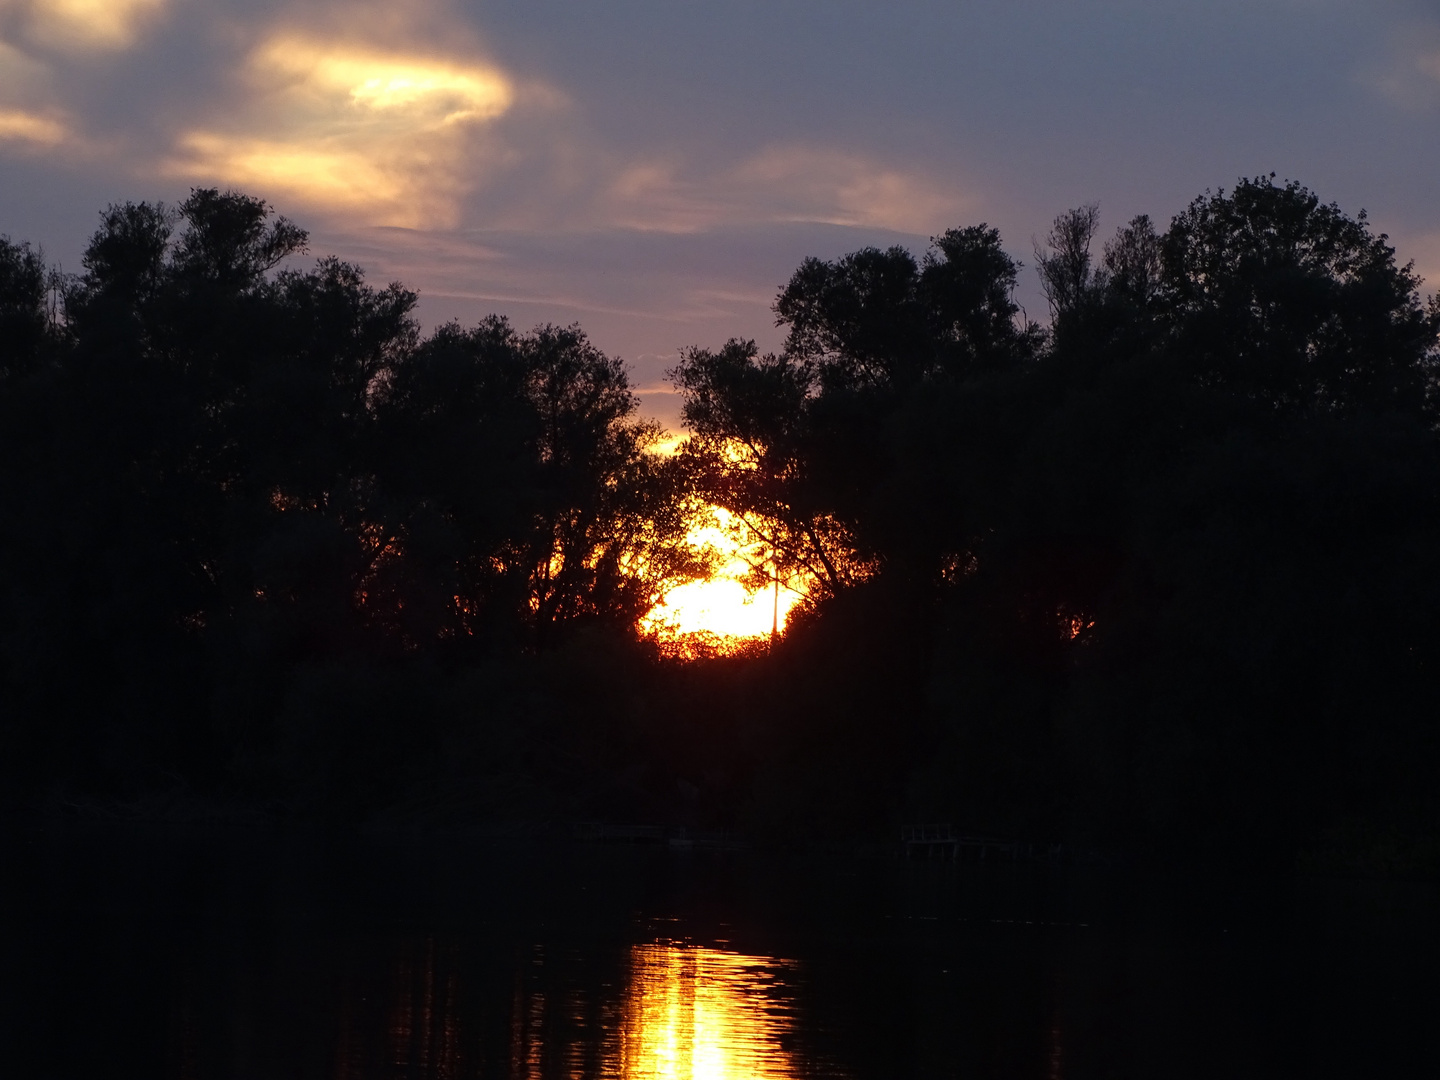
point(1159, 575)
point(262, 536)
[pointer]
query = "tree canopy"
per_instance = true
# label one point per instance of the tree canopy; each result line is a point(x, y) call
point(1158, 574)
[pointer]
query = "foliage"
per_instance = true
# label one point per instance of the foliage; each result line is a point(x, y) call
point(238, 477)
point(796, 443)
point(1276, 295)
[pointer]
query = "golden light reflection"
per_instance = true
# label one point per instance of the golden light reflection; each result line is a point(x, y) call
point(693, 1013)
point(738, 605)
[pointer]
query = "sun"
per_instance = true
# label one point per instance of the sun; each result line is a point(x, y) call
point(726, 611)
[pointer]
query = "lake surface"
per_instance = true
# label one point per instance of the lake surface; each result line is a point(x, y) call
point(197, 955)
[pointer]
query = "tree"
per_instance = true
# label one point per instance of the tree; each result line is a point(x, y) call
point(876, 320)
point(1064, 265)
point(1276, 296)
point(522, 491)
point(800, 444)
point(607, 540)
point(1099, 313)
point(751, 445)
point(26, 323)
point(1132, 263)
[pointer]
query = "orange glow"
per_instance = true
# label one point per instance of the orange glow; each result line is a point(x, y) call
point(1073, 624)
point(694, 1013)
point(721, 606)
point(737, 605)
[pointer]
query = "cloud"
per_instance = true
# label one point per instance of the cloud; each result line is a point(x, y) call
point(25, 83)
point(83, 24)
point(1407, 71)
point(339, 177)
point(398, 113)
point(428, 91)
point(27, 121)
point(388, 135)
point(837, 188)
point(17, 125)
point(782, 184)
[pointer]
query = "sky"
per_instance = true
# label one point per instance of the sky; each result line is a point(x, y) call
point(655, 169)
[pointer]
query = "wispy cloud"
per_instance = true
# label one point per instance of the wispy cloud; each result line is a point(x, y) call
point(399, 113)
point(30, 121)
point(779, 184)
point(1407, 73)
point(1429, 64)
point(17, 125)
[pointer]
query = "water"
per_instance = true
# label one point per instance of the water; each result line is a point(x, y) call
point(244, 955)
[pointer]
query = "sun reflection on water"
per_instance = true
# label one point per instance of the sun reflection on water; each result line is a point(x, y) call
point(657, 1011)
point(693, 1013)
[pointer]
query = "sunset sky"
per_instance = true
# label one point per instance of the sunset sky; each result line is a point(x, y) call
point(655, 169)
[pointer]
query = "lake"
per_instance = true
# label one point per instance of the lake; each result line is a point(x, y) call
point(256, 954)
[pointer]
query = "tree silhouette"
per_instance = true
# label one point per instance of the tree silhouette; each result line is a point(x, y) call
point(1159, 574)
point(24, 320)
point(797, 443)
point(1065, 272)
point(1275, 294)
point(524, 488)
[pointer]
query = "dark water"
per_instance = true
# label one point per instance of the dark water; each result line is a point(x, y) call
point(202, 955)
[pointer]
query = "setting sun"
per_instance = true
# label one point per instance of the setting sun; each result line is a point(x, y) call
point(738, 604)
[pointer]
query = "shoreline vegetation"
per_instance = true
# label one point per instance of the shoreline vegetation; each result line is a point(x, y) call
point(1160, 576)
